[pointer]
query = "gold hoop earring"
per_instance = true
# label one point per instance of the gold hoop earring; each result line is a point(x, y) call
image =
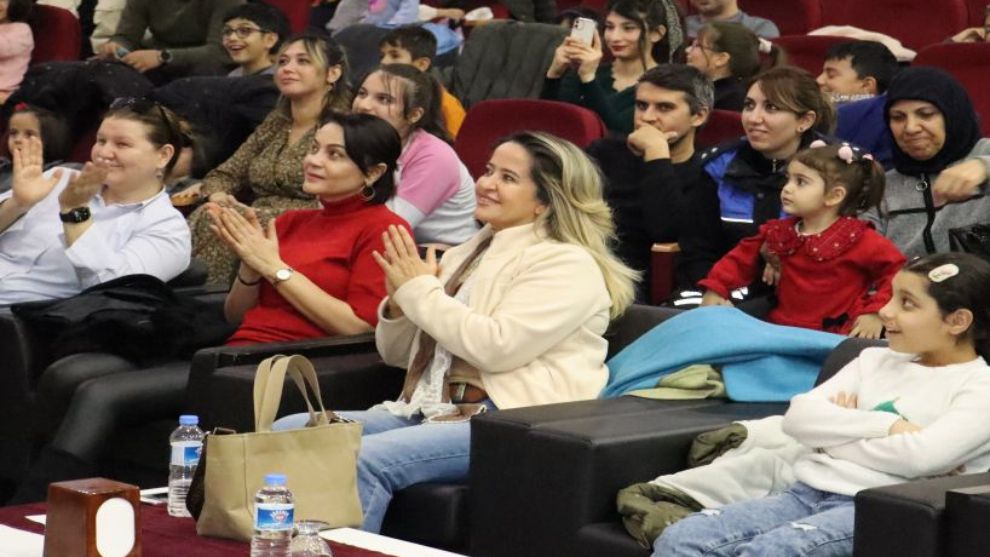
point(368, 192)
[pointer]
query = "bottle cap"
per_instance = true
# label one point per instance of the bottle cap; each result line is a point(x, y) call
point(275, 479)
point(188, 419)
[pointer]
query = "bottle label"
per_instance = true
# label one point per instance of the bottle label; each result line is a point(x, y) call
point(186, 453)
point(273, 516)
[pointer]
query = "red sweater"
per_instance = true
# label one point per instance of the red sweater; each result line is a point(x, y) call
point(331, 247)
point(825, 279)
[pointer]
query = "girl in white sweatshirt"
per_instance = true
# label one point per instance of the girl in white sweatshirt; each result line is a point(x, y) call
point(917, 409)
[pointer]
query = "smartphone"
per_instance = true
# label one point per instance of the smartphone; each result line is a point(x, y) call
point(583, 29)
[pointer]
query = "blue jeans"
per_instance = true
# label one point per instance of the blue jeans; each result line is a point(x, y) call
point(397, 453)
point(800, 521)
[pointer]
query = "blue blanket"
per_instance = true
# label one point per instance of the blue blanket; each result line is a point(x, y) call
point(761, 362)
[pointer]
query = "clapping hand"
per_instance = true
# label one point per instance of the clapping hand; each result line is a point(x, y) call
point(83, 186)
point(401, 262)
point(29, 182)
point(868, 325)
point(256, 246)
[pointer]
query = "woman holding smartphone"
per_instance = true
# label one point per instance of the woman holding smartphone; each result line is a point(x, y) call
point(637, 34)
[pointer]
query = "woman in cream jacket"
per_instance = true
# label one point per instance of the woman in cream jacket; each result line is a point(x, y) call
point(514, 317)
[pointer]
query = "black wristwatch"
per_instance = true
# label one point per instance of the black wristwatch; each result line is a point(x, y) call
point(75, 216)
point(164, 56)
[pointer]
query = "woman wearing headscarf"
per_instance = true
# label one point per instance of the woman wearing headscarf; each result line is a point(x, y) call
point(941, 163)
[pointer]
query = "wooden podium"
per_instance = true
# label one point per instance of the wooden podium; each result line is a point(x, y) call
point(94, 517)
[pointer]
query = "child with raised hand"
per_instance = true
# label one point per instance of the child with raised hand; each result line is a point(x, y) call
point(916, 409)
point(835, 270)
point(27, 121)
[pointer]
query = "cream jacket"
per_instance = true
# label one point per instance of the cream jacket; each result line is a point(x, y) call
point(534, 322)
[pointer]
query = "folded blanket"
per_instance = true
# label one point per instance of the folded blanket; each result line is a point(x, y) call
point(760, 362)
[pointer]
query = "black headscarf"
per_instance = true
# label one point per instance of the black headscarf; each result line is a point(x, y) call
point(962, 129)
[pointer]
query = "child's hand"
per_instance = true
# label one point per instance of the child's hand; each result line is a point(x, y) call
point(841, 399)
point(771, 272)
point(867, 325)
point(713, 299)
point(903, 426)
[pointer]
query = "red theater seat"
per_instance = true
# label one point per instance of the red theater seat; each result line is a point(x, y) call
point(57, 35)
point(977, 12)
point(970, 64)
point(913, 22)
point(808, 51)
point(487, 121)
point(723, 125)
point(297, 11)
point(792, 17)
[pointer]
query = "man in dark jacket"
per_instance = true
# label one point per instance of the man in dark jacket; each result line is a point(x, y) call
point(649, 172)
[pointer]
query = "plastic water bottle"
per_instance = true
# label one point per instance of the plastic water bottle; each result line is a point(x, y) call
point(273, 518)
point(187, 444)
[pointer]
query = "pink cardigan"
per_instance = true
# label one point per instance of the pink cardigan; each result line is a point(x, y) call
point(16, 44)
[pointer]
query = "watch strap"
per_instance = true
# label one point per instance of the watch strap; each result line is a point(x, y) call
point(76, 215)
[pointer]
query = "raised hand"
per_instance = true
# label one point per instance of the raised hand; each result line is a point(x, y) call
point(83, 186)
point(29, 182)
point(650, 143)
point(401, 262)
point(256, 246)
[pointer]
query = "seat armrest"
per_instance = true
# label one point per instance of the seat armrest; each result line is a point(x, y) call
point(663, 263)
point(574, 468)
point(906, 519)
point(967, 513)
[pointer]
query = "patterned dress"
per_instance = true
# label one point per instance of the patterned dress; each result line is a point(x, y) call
point(265, 172)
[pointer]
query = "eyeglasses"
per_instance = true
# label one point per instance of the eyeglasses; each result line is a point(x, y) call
point(241, 32)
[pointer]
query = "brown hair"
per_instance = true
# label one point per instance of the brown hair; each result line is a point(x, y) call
point(742, 46)
point(862, 178)
point(795, 90)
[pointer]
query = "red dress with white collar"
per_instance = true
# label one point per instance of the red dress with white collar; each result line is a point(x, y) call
point(827, 280)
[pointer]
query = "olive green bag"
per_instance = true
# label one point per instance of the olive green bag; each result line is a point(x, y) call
point(319, 460)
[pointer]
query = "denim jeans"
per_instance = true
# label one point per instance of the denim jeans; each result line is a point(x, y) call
point(800, 521)
point(399, 452)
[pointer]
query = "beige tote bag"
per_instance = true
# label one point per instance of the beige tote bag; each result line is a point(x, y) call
point(320, 460)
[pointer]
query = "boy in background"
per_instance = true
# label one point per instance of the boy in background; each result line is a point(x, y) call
point(415, 46)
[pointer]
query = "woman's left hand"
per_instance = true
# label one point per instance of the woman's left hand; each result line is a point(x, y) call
point(959, 182)
point(82, 187)
point(401, 262)
point(256, 246)
point(867, 325)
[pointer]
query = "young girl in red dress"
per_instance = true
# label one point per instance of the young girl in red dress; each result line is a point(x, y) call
point(835, 270)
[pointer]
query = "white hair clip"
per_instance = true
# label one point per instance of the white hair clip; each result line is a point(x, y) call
point(765, 46)
point(943, 272)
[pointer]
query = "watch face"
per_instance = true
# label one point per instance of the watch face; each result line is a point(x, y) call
point(283, 274)
point(77, 215)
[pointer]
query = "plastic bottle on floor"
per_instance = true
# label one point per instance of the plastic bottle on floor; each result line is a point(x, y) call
point(187, 444)
point(273, 518)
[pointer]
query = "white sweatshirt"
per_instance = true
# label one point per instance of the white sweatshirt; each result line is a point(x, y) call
point(854, 449)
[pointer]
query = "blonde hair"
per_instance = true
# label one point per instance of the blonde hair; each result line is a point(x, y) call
point(570, 186)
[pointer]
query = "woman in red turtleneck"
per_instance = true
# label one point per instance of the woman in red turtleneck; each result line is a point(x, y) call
point(311, 274)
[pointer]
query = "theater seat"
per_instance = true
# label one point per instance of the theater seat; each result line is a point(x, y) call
point(57, 34)
point(722, 126)
point(808, 51)
point(792, 17)
point(977, 12)
point(916, 24)
point(970, 64)
point(297, 12)
point(490, 120)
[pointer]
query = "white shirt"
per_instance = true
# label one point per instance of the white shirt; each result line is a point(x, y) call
point(854, 450)
point(149, 237)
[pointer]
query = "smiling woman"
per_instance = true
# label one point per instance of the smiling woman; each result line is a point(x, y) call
point(941, 164)
point(267, 169)
point(62, 231)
